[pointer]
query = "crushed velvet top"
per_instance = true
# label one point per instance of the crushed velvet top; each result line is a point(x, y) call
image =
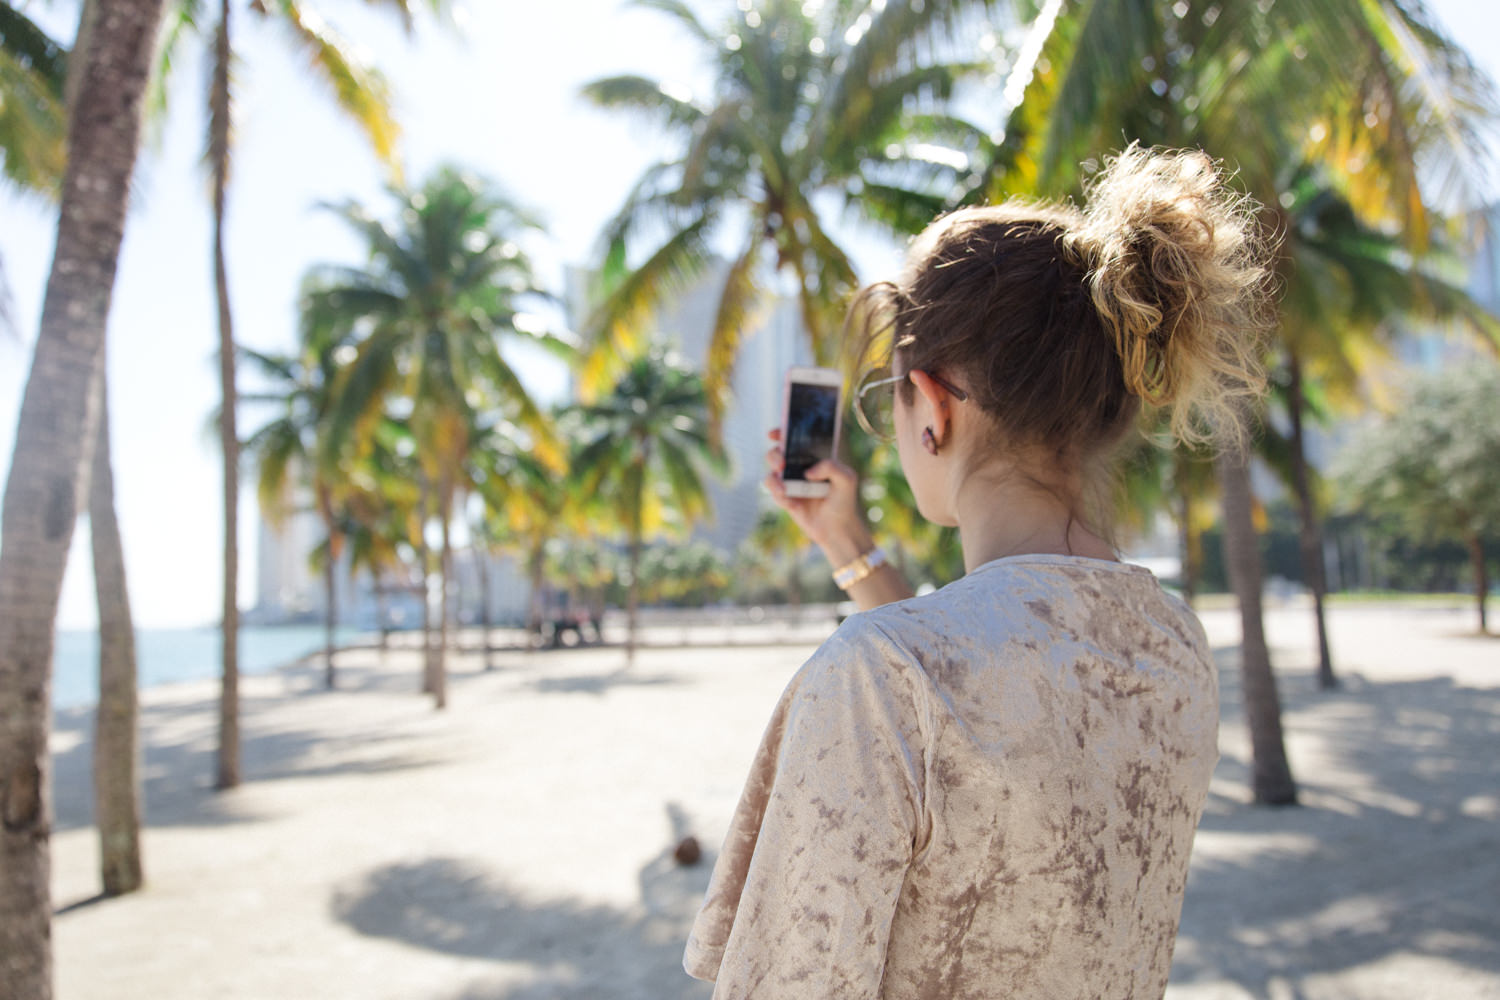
point(988, 792)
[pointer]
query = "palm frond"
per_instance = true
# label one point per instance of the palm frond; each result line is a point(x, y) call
point(617, 327)
point(683, 14)
point(741, 305)
point(183, 19)
point(33, 117)
point(32, 47)
point(656, 101)
point(359, 89)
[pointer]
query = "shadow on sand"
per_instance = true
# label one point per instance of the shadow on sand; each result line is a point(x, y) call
point(577, 950)
point(600, 684)
point(1407, 794)
point(179, 759)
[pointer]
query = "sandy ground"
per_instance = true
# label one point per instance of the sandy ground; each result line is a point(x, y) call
point(518, 845)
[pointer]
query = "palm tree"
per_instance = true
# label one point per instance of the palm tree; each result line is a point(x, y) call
point(287, 451)
point(1273, 86)
point(1352, 282)
point(361, 93)
point(380, 537)
point(641, 452)
point(526, 502)
point(813, 103)
point(55, 436)
point(35, 86)
point(117, 752)
point(425, 316)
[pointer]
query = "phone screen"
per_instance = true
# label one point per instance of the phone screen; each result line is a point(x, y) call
point(812, 416)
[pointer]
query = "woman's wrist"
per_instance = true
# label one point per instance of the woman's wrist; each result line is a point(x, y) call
point(840, 551)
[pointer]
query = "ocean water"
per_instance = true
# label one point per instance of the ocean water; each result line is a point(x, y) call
point(167, 656)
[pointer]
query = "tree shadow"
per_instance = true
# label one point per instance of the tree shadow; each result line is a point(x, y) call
point(179, 748)
point(576, 950)
point(1403, 805)
point(601, 684)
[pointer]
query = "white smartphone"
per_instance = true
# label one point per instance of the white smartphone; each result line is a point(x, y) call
point(810, 432)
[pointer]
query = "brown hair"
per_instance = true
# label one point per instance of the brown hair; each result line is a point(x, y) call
point(1062, 321)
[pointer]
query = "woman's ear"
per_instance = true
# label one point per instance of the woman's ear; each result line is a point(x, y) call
point(938, 401)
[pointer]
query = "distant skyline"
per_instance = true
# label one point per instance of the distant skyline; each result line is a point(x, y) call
point(498, 95)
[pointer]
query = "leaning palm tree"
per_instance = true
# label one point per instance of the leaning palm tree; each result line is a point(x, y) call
point(1366, 90)
point(812, 104)
point(35, 87)
point(641, 453)
point(54, 438)
point(443, 286)
point(360, 93)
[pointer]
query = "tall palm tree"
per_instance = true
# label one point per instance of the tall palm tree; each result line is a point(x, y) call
point(1352, 285)
point(35, 87)
point(443, 286)
point(813, 104)
point(54, 439)
point(641, 453)
point(362, 94)
point(1363, 89)
point(117, 751)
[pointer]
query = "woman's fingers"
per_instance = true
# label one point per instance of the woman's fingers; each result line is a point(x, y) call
point(775, 488)
point(833, 472)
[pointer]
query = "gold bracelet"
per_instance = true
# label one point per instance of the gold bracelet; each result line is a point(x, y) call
point(858, 568)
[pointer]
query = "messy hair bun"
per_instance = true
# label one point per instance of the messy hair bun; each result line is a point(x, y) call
point(1176, 271)
point(1061, 321)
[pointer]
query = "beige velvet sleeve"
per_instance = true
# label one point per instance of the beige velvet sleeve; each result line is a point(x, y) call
point(801, 900)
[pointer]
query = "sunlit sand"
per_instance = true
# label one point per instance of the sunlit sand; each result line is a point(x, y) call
point(519, 845)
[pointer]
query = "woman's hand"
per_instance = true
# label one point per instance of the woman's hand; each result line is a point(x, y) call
point(831, 522)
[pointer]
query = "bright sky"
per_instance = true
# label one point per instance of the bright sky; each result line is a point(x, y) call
point(499, 97)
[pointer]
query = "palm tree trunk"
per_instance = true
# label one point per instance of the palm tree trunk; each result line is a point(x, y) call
point(1271, 775)
point(633, 595)
point(382, 615)
point(637, 512)
point(537, 561)
point(1481, 578)
point(219, 131)
point(1189, 545)
point(117, 753)
point(481, 559)
point(424, 562)
point(54, 442)
point(1310, 533)
point(440, 674)
point(330, 614)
